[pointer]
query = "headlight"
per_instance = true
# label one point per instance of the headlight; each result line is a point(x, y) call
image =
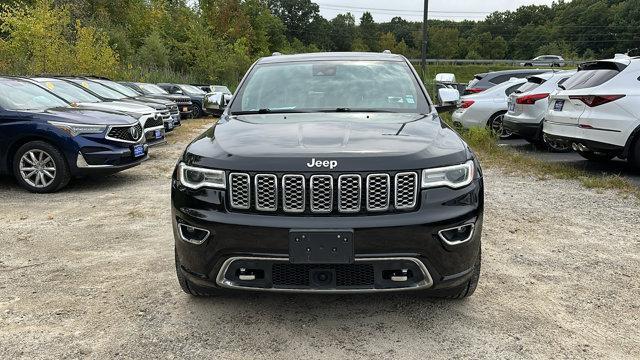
point(77, 129)
point(196, 178)
point(455, 177)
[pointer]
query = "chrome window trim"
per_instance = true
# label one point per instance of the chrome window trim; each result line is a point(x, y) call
point(340, 209)
point(231, 197)
point(221, 280)
point(275, 192)
point(304, 193)
point(387, 196)
point(415, 190)
point(311, 197)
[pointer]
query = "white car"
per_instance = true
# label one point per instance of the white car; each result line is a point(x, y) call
point(528, 105)
point(545, 60)
point(487, 108)
point(598, 110)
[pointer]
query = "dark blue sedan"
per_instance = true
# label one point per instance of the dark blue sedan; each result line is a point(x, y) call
point(44, 142)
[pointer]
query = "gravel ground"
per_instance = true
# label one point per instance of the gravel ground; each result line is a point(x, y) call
point(89, 273)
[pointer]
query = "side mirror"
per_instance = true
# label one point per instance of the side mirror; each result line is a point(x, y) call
point(449, 99)
point(447, 78)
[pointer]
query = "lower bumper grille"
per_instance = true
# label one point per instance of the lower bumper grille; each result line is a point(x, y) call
point(347, 275)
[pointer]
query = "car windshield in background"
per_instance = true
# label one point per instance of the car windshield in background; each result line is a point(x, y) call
point(152, 89)
point(69, 92)
point(312, 86)
point(190, 89)
point(99, 89)
point(222, 89)
point(20, 95)
point(119, 88)
point(589, 78)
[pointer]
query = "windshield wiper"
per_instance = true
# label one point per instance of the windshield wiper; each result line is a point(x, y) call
point(346, 109)
point(267, 111)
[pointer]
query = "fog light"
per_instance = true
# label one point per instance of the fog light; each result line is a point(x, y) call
point(192, 234)
point(457, 235)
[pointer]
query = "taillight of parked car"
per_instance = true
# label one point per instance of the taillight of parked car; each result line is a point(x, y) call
point(474, 90)
point(466, 104)
point(596, 100)
point(530, 99)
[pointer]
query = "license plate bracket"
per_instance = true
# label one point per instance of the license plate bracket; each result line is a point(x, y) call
point(321, 246)
point(158, 134)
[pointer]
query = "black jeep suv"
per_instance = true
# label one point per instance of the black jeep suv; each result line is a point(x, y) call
point(329, 173)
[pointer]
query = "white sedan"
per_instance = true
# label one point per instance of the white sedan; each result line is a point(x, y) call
point(487, 108)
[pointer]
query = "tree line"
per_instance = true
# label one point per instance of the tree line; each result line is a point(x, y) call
point(215, 41)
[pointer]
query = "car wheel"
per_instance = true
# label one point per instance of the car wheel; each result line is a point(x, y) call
point(634, 155)
point(596, 156)
point(528, 65)
point(465, 290)
point(556, 146)
point(40, 168)
point(190, 288)
point(496, 124)
point(196, 112)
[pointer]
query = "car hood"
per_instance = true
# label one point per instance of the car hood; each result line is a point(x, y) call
point(84, 116)
point(128, 108)
point(154, 105)
point(358, 142)
point(151, 100)
point(172, 97)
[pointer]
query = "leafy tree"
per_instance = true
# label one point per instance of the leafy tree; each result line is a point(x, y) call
point(296, 16)
point(343, 32)
point(153, 53)
point(368, 30)
point(387, 41)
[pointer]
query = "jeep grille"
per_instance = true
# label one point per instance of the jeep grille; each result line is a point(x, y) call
point(324, 193)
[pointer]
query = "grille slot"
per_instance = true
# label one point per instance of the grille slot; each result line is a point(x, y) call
point(293, 193)
point(239, 185)
point(347, 275)
point(349, 190)
point(378, 189)
point(406, 185)
point(124, 133)
point(266, 187)
point(321, 193)
point(324, 193)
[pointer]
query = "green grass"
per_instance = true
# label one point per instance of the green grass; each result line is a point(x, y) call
point(485, 145)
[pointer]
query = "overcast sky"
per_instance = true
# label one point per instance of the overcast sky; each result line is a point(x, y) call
point(384, 10)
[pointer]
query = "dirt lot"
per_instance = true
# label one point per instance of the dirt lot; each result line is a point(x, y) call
point(89, 272)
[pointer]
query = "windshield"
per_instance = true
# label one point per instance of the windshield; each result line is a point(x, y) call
point(190, 89)
point(152, 89)
point(21, 95)
point(331, 86)
point(222, 89)
point(99, 89)
point(69, 92)
point(119, 88)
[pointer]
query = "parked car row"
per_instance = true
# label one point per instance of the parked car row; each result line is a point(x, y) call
point(592, 110)
point(54, 128)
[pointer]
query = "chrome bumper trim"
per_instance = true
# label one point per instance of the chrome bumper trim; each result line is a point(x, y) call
point(426, 283)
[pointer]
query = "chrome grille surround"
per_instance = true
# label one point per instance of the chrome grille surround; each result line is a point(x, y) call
point(294, 193)
point(266, 192)
point(324, 193)
point(321, 193)
point(349, 193)
point(406, 190)
point(239, 190)
point(378, 191)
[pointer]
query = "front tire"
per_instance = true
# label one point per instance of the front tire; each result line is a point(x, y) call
point(190, 288)
point(40, 167)
point(196, 112)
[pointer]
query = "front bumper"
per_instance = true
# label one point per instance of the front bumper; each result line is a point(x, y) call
point(104, 161)
point(388, 242)
point(185, 110)
point(155, 136)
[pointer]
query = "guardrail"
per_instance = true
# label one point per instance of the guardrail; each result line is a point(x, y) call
point(481, 62)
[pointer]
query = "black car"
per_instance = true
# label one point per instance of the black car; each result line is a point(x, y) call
point(154, 91)
point(329, 172)
point(484, 81)
point(194, 93)
point(44, 142)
